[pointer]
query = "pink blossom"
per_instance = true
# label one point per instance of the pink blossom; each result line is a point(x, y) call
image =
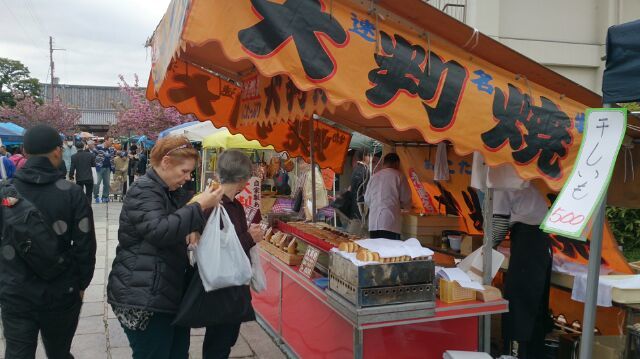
point(28, 113)
point(142, 116)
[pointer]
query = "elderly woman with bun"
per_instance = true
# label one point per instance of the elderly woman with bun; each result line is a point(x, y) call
point(147, 279)
point(234, 170)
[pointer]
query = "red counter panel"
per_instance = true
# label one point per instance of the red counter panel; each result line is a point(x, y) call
point(299, 313)
point(421, 340)
point(267, 303)
point(312, 328)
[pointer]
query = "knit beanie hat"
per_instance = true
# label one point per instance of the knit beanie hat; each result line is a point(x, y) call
point(41, 139)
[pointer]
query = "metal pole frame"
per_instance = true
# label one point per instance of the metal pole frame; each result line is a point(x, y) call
point(313, 168)
point(487, 248)
point(593, 277)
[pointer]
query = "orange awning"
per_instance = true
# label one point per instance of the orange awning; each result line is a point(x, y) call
point(394, 78)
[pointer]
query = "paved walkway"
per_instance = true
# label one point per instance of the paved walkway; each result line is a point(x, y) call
point(99, 333)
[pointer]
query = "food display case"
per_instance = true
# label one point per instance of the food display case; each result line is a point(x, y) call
point(372, 311)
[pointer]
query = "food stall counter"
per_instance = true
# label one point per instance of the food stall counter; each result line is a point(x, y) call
point(316, 323)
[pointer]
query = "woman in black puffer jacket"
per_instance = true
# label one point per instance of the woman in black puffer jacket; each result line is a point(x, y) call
point(147, 278)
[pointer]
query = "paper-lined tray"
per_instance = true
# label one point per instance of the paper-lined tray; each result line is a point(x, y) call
point(389, 248)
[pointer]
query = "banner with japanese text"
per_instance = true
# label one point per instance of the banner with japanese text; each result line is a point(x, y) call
point(385, 69)
point(192, 90)
point(457, 198)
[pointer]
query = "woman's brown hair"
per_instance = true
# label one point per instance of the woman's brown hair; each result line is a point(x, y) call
point(177, 147)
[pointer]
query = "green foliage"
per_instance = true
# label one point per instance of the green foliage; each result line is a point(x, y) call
point(625, 225)
point(16, 83)
point(631, 106)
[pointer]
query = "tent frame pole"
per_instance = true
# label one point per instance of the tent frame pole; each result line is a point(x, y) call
point(313, 168)
point(593, 278)
point(485, 322)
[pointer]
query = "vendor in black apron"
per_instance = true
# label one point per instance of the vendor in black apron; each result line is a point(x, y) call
point(526, 285)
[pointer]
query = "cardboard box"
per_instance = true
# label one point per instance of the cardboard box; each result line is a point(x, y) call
point(488, 294)
point(470, 244)
point(609, 346)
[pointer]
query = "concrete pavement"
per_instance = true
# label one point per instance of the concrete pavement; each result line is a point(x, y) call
point(99, 333)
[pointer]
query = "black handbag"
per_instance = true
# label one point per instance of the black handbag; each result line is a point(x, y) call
point(200, 308)
point(297, 200)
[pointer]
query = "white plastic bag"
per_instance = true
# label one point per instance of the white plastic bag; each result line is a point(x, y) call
point(3, 171)
point(221, 260)
point(94, 173)
point(258, 280)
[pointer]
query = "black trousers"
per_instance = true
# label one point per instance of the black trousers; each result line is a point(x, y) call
point(384, 234)
point(527, 289)
point(57, 328)
point(160, 340)
point(88, 188)
point(127, 185)
point(218, 340)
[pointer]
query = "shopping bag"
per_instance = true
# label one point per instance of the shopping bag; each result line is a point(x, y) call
point(200, 308)
point(258, 279)
point(219, 254)
point(94, 173)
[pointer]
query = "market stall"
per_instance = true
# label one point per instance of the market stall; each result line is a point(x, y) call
point(195, 131)
point(222, 139)
point(388, 72)
point(10, 137)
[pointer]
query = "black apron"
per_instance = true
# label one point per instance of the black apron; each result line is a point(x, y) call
point(527, 286)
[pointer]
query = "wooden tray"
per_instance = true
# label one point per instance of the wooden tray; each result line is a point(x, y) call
point(311, 239)
point(288, 258)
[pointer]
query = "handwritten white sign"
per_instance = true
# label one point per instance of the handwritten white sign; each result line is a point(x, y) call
point(603, 133)
point(251, 194)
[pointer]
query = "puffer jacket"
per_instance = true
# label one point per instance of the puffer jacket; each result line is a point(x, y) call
point(151, 258)
point(62, 203)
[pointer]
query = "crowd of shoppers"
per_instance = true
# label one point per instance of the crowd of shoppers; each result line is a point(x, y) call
point(151, 268)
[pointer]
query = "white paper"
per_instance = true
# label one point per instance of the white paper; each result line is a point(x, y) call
point(473, 264)
point(453, 274)
point(459, 276)
point(352, 258)
point(605, 287)
point(389, 248)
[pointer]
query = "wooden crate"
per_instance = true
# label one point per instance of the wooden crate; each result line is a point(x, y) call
point(288, 258)
point(452, 292)
point(431, 226)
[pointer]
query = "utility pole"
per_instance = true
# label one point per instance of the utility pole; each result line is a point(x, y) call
point(51, 50)
point(51, 64)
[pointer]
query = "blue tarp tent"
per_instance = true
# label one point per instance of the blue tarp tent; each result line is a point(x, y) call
point(10, 138)
point(621, 79)
point(12, 127)
point(182, 125)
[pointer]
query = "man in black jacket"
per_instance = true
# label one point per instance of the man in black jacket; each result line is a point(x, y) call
point(30, 304)
point(81, 164)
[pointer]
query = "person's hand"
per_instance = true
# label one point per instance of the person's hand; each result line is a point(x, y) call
point(256, 232)
point(210, 198)
point(193, 238)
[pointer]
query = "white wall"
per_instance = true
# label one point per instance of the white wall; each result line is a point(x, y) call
point(568, 36)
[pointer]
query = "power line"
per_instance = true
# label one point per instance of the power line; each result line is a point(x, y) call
point(34, 15)
point(16, 19)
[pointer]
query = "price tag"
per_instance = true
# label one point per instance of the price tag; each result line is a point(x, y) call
point(309, 261)
point(603, 134)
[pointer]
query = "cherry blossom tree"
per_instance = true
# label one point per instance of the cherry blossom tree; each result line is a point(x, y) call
point(142, 116)
point(28, 112)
